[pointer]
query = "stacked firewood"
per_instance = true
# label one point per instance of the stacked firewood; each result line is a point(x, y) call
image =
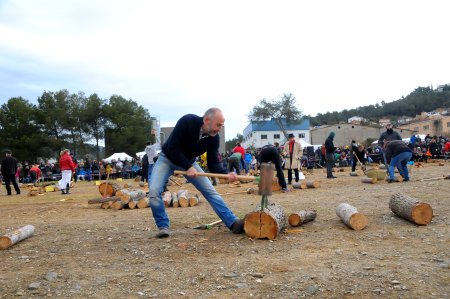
point(181, 199)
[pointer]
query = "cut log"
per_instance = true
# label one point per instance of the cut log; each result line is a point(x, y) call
point(16, 236)
point(175, 202)
point(122, 192)
point(299, 185)
point(118, 205)
point(353, 173)
point(441, 164)
point(133, 195)
point(183, 198)
point(102, 200)
point(341, 170)
point(265, 224)
point(143, 203)
point(351, 217)
point(167, 199)
point(194, 200)
point(313, 184)
point(108, 189)
point(369, 180)
point(132, 204)
point(302, 217)
point(127, 185)
point(411, 209)
point(137, 178)
point(106, 205)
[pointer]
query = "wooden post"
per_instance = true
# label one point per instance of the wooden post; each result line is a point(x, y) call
point(16, 236)
point(411, 209)
point(351, 217)
point(369, 180)
point(265, 224)
point(302, 217)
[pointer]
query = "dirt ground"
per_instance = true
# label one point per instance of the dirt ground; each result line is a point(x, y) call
point(82, 251)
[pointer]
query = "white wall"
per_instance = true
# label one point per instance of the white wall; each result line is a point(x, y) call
point(256, 141)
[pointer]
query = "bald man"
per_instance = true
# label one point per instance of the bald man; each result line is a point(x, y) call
point(192, 136)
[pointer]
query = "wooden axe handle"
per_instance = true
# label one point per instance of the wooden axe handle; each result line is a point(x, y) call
point(217, 175)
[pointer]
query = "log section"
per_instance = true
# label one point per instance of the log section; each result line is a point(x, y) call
point(313, 184)
point(299, 185)
point(16, 236)
point(351, 217)
point(108, 189)
point(411, 209)
point(142, 203)
point(175, 203)
point(194, 200)
point(302, 217)
point(183, 198)
point(134, 195)
point(103, 200)
point(368, 180)
point(265, 224)
point(167, 199)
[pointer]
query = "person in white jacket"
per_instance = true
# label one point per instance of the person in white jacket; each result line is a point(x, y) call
point(152, 151)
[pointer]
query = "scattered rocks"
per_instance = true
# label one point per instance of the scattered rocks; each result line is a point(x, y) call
point(395, 282)
point(230, 275)
point(312, 289)
point(34, 285)
point(51, 276)
point(444, 265)
point(258, 275)
point(241, 285)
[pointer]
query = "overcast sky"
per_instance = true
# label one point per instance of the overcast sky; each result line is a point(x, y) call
point(178, 57)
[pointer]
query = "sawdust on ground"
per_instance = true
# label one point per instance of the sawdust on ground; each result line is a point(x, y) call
point(82, 251)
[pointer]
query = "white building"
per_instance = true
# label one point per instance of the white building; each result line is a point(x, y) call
point(356, 120)
point(260, 133)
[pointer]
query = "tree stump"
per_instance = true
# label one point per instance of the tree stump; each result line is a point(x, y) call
point(351, 217)
point(299, 185)
point(265, 224)
point(369, 180)
point(16, 236)
point(313, 184)
point(108, 189)
point(175, 202)
point(194, 200)
point(302, 217)
point(143, 203)
point(411, 209)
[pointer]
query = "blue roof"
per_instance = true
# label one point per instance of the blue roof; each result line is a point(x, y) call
point(271, 125)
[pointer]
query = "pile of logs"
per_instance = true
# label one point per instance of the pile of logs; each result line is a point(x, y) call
point(181, 199)
point(305, 185)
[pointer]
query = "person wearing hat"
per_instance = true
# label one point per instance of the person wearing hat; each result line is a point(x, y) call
point(329, 155)
point(292, 152)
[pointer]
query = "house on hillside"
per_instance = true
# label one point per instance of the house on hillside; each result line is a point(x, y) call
point(260, 133)
point(434, 124)
point(357, 120)
point(384, 121)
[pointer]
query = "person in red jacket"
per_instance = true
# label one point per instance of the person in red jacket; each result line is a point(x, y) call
point(447, 149)
point(35, 173)
point(67, 169)
point(239, 149)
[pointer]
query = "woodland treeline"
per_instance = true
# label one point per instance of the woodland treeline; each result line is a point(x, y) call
point(75, 121)
point(420, 100)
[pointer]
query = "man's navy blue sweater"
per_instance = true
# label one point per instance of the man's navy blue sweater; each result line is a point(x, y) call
point(185, 144)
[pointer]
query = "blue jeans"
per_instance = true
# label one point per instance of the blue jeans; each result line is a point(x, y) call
point(150, 168)
point(88, 174)
point(162, 170)
point(400, 161)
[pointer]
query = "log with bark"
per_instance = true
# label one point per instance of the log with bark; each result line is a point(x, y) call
point(118, 205)
point(353, 173)
point(299, 185)
point(16, 236)
point(167, 199)
point(351, 217)
point(368, 180)
point(137, 178)
point(183, 198)
point(267, 223)
point(108, 189)
point(133, 195)
point(302, 217)
point(194, 200)
point(106, 205)
point(122, 192)
point(313, 184)
point(175, 202)
point(103, 200)
point(132, 204)
point(143, 203)
point(411, 209)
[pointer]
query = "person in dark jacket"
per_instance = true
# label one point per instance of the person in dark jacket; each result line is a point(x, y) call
point(397, 154)
point(269, 153)
point(388, 135)
point(329, 155)
point(192, 136)
point(9, 169)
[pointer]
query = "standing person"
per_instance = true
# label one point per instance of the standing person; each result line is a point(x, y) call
point(239, 149)
point(329, 155)
point(152, 152)
point(234, 162)
point(269, 153)
point(293, 152)
point(9, 169)
point(397, 154)
point(359, 154)
point(388, 135)
point(191, 137)
point(35, 173)
point(67, 169)
point(88, 167)
point(144, 164)
point(75, 165)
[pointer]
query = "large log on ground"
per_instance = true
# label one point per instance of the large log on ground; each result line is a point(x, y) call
point(313, 184)
point(265, 224)
point(16, 236)
point(351, 217)
point(132, 204)
point(142, 203)
point(194, 200)
point(411, 209)
point(302, 217)
point(369, 180)
point(122, 192)
point(108, 189)
point(175, 202)
point(118, 205)
point(299, 185)
point(167, 199)
point(183, 198)
point(133, 195)
point(103, 200)
point(106, 205)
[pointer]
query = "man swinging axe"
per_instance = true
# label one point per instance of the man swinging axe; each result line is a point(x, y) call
point(192, 136)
